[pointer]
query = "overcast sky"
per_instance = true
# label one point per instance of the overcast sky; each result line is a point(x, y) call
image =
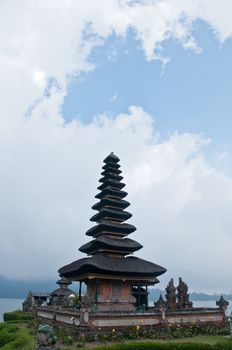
point(150, 80)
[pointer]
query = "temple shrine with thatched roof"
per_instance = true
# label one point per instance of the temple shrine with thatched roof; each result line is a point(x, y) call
point(61, 295)
point(115, 279)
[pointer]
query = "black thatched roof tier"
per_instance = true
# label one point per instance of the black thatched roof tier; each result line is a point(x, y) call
point(111, 166)
point(111, 202)
point(111, 215)
point(111, 158)
point(108, 171)
point(61, 292)
point(106, 227)
point(104, 243)
point(40, 295)
point(105, 265)
point(111, 176)
point(111, 183)
point(112, 192)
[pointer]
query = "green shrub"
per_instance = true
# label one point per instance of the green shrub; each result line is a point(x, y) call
point(227, 345)
point(20, 343)
point(14, 337)
point(6, 336)
point(68, 340)
point(176, 331)
point(16, 316)
point(13, 329)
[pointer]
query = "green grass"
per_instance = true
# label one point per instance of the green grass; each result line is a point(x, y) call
point(16, 337)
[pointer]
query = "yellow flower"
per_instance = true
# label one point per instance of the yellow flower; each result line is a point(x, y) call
point(137, 327)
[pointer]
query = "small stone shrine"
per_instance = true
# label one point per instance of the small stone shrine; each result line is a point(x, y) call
point(34, 300)
point(115, 279)
point(160, 304)
point(61, 295)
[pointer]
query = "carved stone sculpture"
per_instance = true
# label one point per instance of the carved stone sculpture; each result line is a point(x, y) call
point(222, 303)
point(183, 301)
point(45, 336)
point(171, 295)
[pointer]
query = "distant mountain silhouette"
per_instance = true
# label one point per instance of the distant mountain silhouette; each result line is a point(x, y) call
point(19, 289)
point(10, 288)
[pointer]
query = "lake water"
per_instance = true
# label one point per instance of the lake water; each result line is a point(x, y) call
point(16, 304)
point(9, 305)
point(212, 303)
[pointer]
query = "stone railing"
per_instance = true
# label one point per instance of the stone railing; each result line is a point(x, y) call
point(86, 319)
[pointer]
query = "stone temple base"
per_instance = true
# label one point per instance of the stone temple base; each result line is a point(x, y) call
point(88, 320)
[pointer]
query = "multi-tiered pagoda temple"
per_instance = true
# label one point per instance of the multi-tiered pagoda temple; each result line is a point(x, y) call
point(114, 278)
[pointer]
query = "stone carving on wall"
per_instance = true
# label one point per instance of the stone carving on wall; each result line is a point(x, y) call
point(179, 300)
point(171, 295)
point(222, 303)
point(183, 301)
point(160, 304)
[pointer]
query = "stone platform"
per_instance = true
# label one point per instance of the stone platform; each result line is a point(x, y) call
point(88, 320)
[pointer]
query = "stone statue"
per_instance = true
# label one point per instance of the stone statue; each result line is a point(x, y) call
point(183, 301)
point(45, 337)
point(222, 303)
point(171, 295)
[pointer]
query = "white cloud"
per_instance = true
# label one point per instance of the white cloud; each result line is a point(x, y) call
point(40, 78)
point(49, 174)
point(50, 41)
point(49, 169)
